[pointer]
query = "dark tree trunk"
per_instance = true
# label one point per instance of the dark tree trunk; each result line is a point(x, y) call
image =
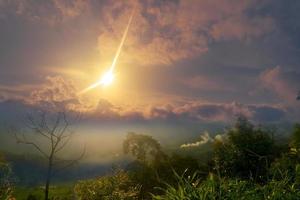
point(48, 178)
point(56, 132)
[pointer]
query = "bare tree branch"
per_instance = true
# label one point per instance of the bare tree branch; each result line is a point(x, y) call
point(57, 134)
point(64, 143)
point(25, 141)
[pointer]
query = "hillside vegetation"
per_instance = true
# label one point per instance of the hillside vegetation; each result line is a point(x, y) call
point(245, 163)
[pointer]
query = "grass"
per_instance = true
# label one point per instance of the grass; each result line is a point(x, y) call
point(214, 188)
point(57, 192)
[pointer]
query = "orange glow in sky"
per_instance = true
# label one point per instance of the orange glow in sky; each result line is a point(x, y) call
point(108, 76)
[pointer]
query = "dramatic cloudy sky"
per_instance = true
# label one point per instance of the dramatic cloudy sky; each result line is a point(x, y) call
point(183, 62)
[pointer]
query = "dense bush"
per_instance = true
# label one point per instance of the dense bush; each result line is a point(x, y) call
point(6, 179)
point(247, 153)
point(115, 187)
point(143, 148)
point(246, 164)
point(192, 188)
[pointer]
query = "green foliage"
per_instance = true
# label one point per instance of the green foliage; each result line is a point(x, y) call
point(145, 176)
point(151, 177)
point(31, 197)
point(213, 188)
point(143, 147)
point(150, 159)
point(115, 187)
point(246, 165)
point(284, 166)
point(179, 164)
point(57, 192)
point(247, 153)
point(288, 163)
point(6, 179)
point(295, 142)
point(152, 166)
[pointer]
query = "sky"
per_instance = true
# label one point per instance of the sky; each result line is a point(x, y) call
point(184, 63)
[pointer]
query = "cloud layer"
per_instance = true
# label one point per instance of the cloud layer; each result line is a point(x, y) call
point(59, 94)
point(283, 84)
point(161, 33)
point(230, 35)
point(173, 30)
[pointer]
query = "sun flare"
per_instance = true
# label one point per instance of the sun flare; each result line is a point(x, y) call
point(107, 78)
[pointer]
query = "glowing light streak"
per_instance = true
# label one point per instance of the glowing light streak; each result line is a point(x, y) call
point(108, 76)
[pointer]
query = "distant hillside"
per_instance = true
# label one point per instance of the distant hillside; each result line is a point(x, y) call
point(30, 170)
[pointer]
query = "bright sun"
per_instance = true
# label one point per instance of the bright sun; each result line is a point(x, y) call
point(107, 78)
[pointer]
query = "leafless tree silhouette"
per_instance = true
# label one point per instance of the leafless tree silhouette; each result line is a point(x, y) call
point(54, 128)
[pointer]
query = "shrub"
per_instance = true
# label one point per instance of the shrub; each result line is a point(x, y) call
point(247, 153)
point(192, 188)
point(6, 179)
point(115, 187)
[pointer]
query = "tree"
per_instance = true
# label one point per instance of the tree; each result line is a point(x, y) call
point(143, 147)
point(149, 159)
point(247, 153)
point(290, 158)
point(54, 130)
